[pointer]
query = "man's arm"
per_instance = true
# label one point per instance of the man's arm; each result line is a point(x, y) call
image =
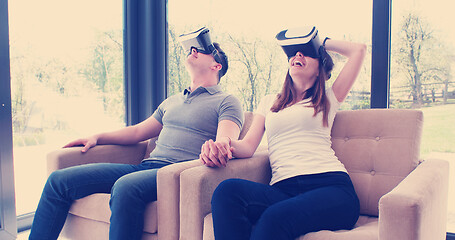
point(129, 135)
point(229, 126)
point(226, 131)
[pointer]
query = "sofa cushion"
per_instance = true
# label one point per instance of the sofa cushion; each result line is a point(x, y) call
point(96, 207)
point(365, 228)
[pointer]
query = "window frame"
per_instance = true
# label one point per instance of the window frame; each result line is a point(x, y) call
point(8, 227)
point(380, 54)
point(145, 57)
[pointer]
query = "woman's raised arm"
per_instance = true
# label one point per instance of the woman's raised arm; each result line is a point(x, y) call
point(355, 52)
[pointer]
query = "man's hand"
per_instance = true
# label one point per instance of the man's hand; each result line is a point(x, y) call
point(86, 142)
point(216, 154)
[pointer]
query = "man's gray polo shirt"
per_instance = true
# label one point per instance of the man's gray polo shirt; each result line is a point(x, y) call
point(191, 118)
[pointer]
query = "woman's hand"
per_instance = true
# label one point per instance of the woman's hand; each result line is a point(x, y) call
point(86, 142)
point(216, 154)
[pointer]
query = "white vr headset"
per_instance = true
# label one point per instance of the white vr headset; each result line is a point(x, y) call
point(304, 40)
point(200, 40)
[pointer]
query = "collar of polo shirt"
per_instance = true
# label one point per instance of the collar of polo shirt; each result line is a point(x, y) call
point(212, 89)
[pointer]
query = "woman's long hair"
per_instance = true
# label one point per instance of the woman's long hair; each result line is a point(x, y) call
point(316, 94)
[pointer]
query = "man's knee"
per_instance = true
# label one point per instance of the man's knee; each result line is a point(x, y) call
point(56, 181)
point(122, 187)
point(126, 190)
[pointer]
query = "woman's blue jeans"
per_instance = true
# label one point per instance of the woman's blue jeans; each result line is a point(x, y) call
point(244, 210)
point(131, 188)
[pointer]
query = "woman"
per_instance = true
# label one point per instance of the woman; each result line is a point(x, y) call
point(310, 189)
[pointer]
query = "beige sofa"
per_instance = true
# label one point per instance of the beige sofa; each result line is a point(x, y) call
point(88, 217)
point(401, 197)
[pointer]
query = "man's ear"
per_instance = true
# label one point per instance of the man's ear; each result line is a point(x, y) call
point(218, 66)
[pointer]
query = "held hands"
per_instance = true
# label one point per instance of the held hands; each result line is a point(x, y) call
point(216, 154)
point(86, 142)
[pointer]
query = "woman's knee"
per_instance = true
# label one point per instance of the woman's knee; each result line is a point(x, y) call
point(272, 217)
point(227, 189)
point(272, 225)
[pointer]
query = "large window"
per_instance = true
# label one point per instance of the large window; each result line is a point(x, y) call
point(422, 77)
point(66, 81)
point(246, 31)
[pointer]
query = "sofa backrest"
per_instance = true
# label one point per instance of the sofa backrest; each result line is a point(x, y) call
point(379, 148)
point(248, 119)
point(150, 146)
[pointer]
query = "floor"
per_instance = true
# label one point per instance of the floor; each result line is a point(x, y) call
point(23, 235)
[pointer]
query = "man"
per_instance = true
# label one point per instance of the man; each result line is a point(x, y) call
point(183, 123)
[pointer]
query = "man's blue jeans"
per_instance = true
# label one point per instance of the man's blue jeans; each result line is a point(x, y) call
point(245, 210)
point(131, 188)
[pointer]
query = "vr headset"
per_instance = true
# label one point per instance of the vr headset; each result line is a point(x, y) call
point(200, 40)
point(304, 40)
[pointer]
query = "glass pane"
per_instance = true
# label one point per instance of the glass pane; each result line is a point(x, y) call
point(66, 81)
point(246, 32)
point(422, 70)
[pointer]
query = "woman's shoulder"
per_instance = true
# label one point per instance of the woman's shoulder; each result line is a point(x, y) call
point(265, 104)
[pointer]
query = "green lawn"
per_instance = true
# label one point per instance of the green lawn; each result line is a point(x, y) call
point(438, 129)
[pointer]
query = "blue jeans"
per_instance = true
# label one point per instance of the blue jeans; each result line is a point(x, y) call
point(245, 210)
point(131, 188)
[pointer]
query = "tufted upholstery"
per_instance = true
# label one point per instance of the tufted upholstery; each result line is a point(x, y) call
point(368, 146)
point(88, 217)
point(400, 196)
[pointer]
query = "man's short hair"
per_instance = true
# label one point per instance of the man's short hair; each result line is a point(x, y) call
point(224, 60)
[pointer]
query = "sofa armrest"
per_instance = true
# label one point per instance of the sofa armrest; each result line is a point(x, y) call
point(168, 188)
point(67, 157)
point(197, 185)
point(417, 208)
